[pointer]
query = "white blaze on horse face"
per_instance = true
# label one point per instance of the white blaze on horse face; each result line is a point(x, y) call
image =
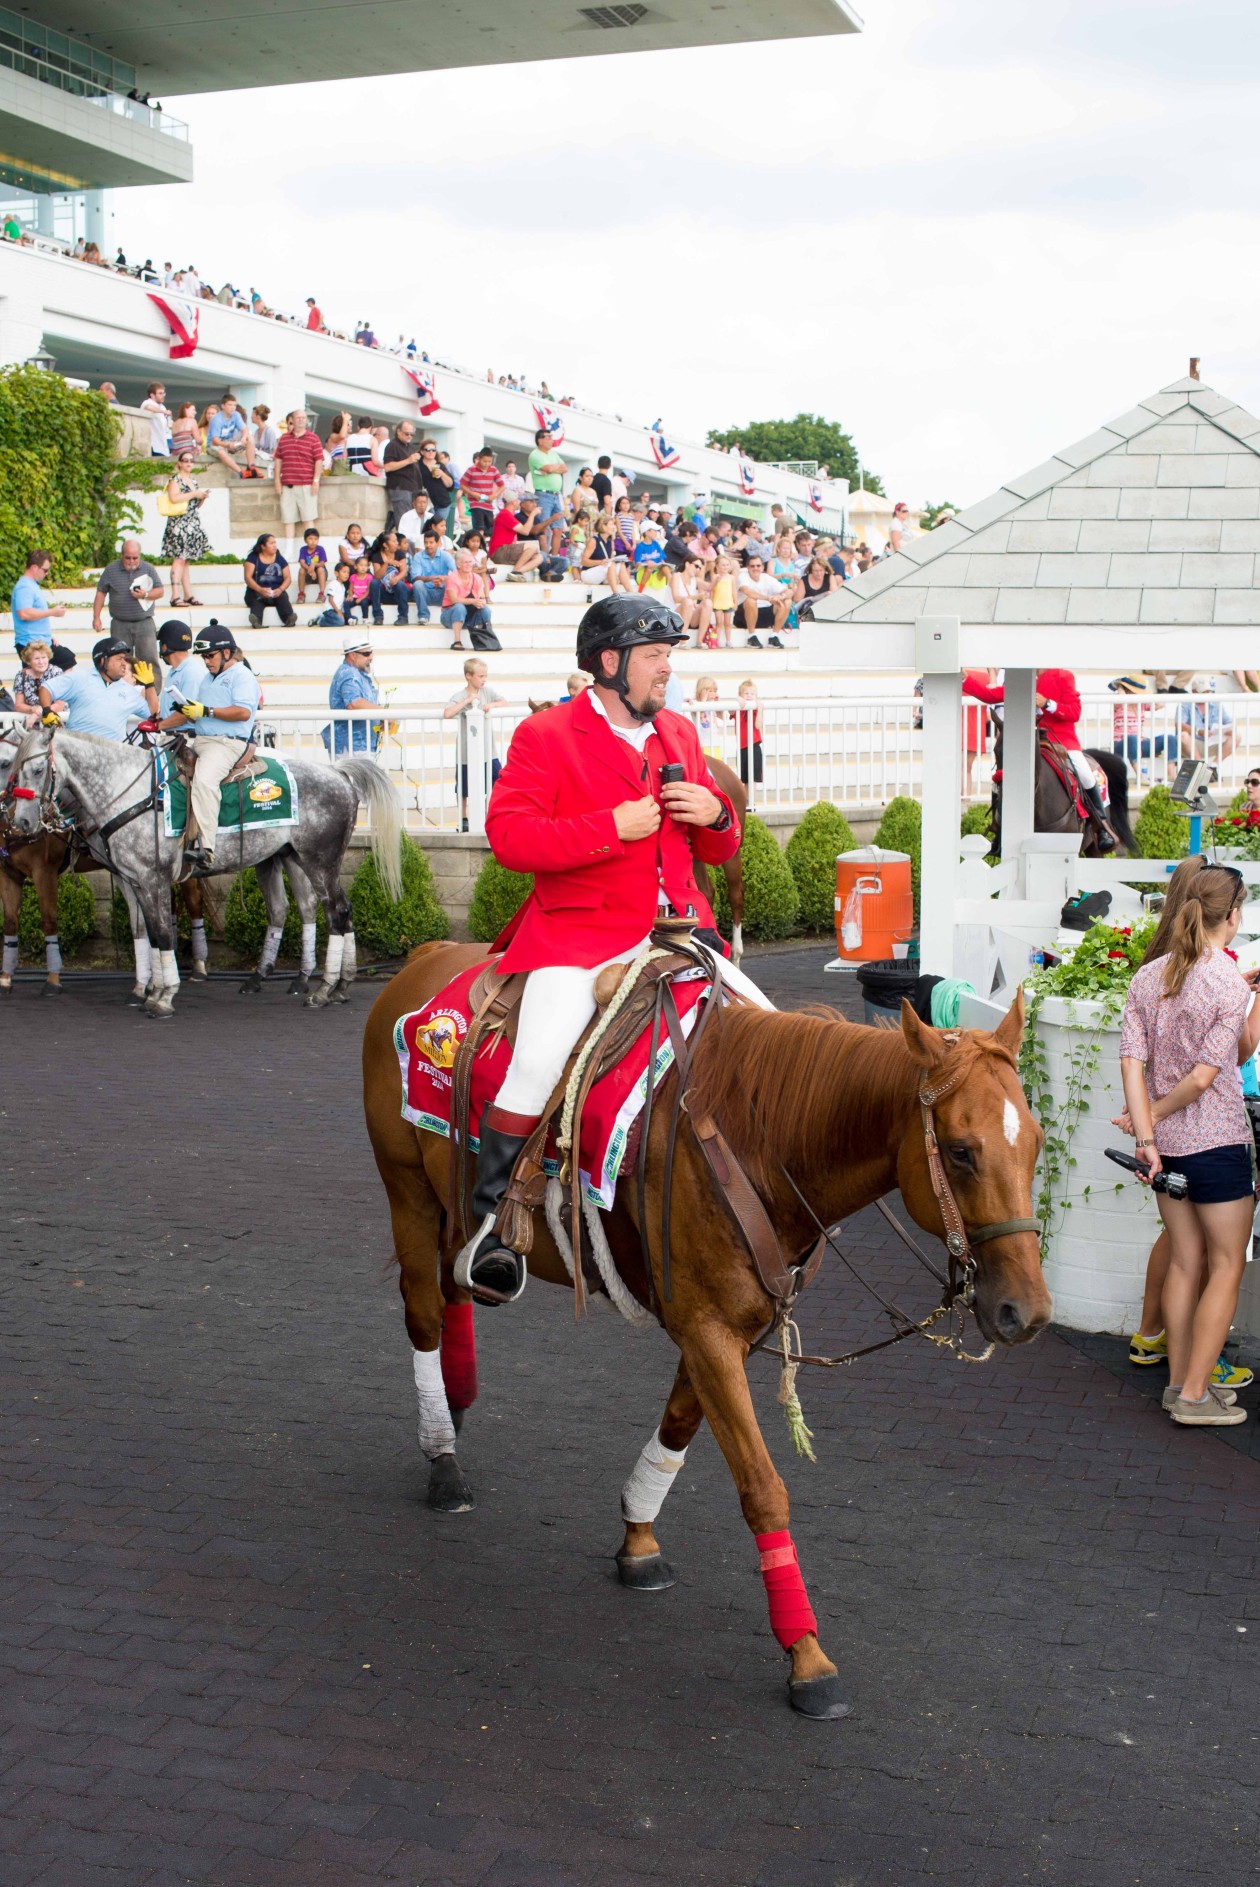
point(644, 1493)
point(437, 1431)
point(1010, 1122)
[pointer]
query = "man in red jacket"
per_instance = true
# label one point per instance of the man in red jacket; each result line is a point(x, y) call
point(580, 804)
point(1058, 711)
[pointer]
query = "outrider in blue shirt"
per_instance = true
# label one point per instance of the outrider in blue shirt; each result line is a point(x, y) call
point(235, 687)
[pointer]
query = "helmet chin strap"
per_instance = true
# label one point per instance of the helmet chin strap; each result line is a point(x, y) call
point(617, 682)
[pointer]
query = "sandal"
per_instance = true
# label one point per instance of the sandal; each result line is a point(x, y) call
point(189, 602)
point(459, 645)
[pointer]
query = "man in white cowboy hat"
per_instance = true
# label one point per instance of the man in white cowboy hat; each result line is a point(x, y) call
point(353, 686)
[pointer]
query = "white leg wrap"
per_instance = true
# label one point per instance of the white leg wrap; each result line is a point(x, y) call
point(10, 962)
point(144, 961)
point(348, 963)
point(200, 947)
point(270, 949)
point(52, 956)
point(437, 1431)
point(308, 949)
point(644, 1493)
point(332, 962)
point(169, 969)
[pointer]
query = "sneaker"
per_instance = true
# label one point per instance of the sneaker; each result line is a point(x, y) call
point(1226, 1376)
point(754, 642)
point(1170, 1395)
point(1143, 1351)
point(1210, 1413)
point(775, 642)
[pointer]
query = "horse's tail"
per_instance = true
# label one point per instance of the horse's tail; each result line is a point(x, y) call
point(1117, 795)
point(384, 812)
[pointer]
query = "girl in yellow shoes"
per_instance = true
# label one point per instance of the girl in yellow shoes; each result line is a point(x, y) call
point(1190, 1019)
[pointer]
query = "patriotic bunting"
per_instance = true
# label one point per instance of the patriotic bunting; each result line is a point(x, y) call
point(426, 390)
point(747, 475)
point(550, 422)
point(184, 322)
point(664, 453)
point(815, 497)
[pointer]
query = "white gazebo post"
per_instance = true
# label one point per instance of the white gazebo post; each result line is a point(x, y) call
point(936, 655)
point(1019, 749)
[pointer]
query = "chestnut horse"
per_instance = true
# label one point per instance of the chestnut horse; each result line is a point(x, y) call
point(831, 1104)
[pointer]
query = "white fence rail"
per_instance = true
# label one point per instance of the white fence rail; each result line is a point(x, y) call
point(850, 750)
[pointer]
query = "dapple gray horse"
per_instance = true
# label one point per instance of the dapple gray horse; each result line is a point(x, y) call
point(109, 787)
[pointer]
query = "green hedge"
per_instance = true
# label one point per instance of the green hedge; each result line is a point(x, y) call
point(771, 900)
point(386, 929)
point(901, 830)
point(823, 834)
point(62, 486)
point(497, 896)
point(76, 916)
point(1159, 830)
point(977, 819)
point(245, 920)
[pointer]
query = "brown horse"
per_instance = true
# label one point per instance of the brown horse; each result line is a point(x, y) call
point(834, 1106)
point(1054, 808)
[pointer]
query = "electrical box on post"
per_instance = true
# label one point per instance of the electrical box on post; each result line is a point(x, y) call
point(936, 645)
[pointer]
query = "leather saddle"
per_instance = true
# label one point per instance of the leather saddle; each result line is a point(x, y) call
point(248, 767)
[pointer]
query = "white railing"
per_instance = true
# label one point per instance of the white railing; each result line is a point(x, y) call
point(850, 751)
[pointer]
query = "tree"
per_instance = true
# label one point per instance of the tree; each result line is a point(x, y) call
point(933, 511)
point(808, 436)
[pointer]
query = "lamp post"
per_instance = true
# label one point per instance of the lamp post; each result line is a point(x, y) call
point(43, 360)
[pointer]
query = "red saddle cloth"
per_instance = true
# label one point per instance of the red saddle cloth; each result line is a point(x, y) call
point(1067, 778)
point(426, 1041)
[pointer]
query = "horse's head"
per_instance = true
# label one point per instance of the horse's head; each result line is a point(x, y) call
point(10, 739)
point(28, 785)
point(988, 1143)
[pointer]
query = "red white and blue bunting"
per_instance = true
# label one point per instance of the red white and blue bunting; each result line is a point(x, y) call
point(550, 422)
point(426, 390)
point(747, 475)
point(184, 322)
point(815, 497)
point(664, 453)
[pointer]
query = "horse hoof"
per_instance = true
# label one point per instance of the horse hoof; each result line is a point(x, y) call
point(319, 998)
point(252, 986)
point(341, 992)
point(137, 998)
point(449, 1492)
point(647, 1572)
point(199, 972)
point(51, 989)
point(300, 986)
point(819, 1697)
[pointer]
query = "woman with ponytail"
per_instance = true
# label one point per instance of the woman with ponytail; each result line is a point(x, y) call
point(1190, 1019)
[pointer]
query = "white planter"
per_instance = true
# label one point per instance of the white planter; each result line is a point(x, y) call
point(1103, 1223)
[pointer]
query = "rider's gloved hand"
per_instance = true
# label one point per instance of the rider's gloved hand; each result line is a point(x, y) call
point(193, 709)
point(49, 719)
point(143, 672)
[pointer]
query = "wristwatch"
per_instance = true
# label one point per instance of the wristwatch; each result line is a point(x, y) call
point(723, 821)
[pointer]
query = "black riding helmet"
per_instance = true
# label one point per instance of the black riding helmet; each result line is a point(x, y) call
point(215, 640)
point(107, 646)
point(623, 623)
point(175, 635)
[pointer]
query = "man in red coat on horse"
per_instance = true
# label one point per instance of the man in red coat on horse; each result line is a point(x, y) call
point(580, 803)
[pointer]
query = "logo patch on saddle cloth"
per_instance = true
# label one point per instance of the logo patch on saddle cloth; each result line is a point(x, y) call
point(268, 797)
point(426, 1043)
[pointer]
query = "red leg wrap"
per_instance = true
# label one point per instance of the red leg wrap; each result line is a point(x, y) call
point(791, 1614)
point(459, 1356)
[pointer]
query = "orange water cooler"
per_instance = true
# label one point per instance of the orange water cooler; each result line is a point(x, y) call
point(881, 880)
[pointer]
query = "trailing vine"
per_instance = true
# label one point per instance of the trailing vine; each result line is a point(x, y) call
point(63, 486)
point(1098, 972)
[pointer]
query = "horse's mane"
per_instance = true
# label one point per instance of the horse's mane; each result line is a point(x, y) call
point(804, 1088)
point(29, 743)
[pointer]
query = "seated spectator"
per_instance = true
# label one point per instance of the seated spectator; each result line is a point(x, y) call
point(333, 614)
point(208, 414)
point(584, 496)
point(763, 603)
point(1205, 730)
point(482, 485)
point(681, 544)
point(353, 689)
point(108, 392)
point(474, 542)
point(466, 604)
point(185, 433)
point(267, 579)
point(819, 579)
point(512, 544)
point(804, 550)
point(353, 545)
point(390, 582)
point(312, 566)
point(689, 598)
point(650, 568)
point(475, 697)
point(359, 589)
point(600, 564)
point(513, 483)
point(576, 683)
point(37, 671)
point(410, 526)
point(229, 440)
point(428, 570)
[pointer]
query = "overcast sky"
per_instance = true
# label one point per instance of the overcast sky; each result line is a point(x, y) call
point(970, 234)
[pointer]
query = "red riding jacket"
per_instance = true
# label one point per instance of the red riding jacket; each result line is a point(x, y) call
point(551, 812)
point(1062, 711)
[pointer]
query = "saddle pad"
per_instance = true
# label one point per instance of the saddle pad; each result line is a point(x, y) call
point(1066, 777)
point(270, 798)
point(426, 1041)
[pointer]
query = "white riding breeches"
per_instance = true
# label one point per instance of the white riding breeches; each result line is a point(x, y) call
point(1084, 767)
point(556, 1006)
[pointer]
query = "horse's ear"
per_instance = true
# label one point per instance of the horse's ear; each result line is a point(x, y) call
point(1010, 1030)
point(925, 1043)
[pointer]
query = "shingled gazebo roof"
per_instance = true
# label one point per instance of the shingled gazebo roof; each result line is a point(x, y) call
point(1152, 523)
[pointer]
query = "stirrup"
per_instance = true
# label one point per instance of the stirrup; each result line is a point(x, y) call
point(485, 1246)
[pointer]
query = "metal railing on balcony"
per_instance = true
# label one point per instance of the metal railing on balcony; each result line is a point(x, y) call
point(49, 70)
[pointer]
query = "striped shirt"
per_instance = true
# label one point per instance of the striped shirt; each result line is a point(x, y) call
point(299, 458)
point(481, 486)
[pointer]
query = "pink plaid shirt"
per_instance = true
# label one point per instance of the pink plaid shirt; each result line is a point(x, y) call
point(1174, 1034)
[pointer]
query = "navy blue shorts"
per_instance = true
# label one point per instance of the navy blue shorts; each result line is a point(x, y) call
point(1218, 1175)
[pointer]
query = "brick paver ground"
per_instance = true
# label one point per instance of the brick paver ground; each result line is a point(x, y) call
point(236, 1650)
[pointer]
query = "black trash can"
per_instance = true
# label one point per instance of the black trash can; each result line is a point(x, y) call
point(883, 985)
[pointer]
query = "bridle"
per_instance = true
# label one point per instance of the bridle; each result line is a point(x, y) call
point(53, 822)
point(958, 1240)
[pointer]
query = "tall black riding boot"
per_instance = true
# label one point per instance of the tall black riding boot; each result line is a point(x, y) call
point(491, 1270)
point(1094, 800)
